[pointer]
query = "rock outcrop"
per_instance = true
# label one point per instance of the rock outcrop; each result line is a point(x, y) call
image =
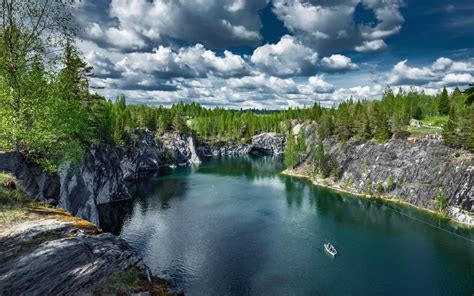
point(143, 155)
point(268, 142)
point(34, 181)
point(179, 149)
point(52, 256)
point(98, 179)
point(414, 170)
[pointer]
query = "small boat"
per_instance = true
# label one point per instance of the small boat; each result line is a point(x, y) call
point(330, 249)
point(173, 166)
point(183, 164)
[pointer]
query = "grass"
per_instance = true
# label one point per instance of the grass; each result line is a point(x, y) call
point(132, 281)
point(14, 203)
point(16, 206)
point(435, 120)
point(424, 130)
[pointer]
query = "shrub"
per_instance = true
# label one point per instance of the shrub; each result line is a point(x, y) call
point(390, 184)
point(379, 188)
point(441, 201)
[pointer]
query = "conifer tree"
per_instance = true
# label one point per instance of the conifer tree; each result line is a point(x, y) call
point(301, 145)
point(450, 134)
point(443, 104)
point(326, 127)
point(468, 128)
point(290, 152)
point(321, 160)
point(382, 128)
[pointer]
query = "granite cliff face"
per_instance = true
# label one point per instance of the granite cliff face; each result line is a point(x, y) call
point(413, 170)
point(144, 154)
point(270, 143)
point(98, 179)
point(179, 149)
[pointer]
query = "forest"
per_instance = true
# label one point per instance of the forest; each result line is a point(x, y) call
point(48, 111)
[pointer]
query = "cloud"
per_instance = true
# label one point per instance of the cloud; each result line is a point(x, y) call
point(263, 83)
point(442, 72)
point(371, 46)
point(330, 25)
point(129, 25)
point(319, 85)
point(102, 66)
point(188, 62)
point(337, 63)
point(287, 57)
point(402, 74)
point(453, 79)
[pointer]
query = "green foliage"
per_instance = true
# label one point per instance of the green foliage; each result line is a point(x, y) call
point(320, 161)
point(450, 134)
point(441, 201)
point(379, 188)
point(382, 129)
point(291, 153)
point(390, 184)
point(443, 104)
point(301, 145)
point(326, 126)
point(470, 94)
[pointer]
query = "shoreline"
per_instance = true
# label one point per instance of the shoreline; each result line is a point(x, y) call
point(315, 182)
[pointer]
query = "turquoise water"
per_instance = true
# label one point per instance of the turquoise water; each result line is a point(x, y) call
point(234, 226)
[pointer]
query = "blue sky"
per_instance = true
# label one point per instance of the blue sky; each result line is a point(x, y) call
point(274, 54)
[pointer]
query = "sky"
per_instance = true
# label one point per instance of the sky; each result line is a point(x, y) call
point(274, 54)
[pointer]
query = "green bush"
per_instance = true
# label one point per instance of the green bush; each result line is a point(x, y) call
point(379, 188)
point(441, 201)
point(390, 184)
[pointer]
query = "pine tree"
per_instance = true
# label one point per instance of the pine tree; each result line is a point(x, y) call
point(382, 128)
point(470, 94)
point(367, 132)
point(326, 127)
point(443, 104)
point(343, 122)
point(450, 133)
point(290, 151)
point(467, 129)
point(178, 124)
point(301, 145)
point(321, 160)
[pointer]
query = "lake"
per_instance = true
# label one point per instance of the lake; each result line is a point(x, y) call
point(235, 226)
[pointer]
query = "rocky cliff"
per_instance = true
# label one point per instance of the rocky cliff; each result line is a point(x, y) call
point(53, 253)
point(179, 149)
point(270, 143)
point(144, 154)
point(414, 170)
point(33, 180)
point(98, 179)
